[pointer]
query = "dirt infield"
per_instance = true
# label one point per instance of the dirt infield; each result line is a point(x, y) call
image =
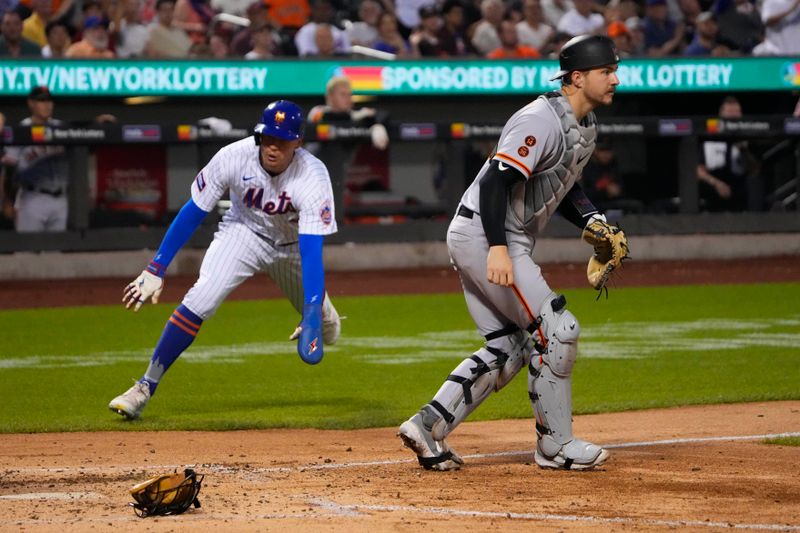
point(316, 480)
point(695, 468)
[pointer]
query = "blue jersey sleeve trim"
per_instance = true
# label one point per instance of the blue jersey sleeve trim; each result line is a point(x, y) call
point(313, 271)
point(189, 218)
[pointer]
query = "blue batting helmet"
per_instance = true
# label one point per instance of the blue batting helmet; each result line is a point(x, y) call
point(282, 119)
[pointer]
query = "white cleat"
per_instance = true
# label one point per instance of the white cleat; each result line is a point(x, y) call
point(131, 403)
point(431, 454)
point(577, 454)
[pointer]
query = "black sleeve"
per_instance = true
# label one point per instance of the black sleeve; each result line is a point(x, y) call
point(576, 206)
point(494, 200)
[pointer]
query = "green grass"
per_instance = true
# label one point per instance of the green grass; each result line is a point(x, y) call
point(784, 441)
point(642, 348)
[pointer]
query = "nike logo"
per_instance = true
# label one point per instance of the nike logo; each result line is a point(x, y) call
point(582, 159)
point(248, 178)
point(501, 166)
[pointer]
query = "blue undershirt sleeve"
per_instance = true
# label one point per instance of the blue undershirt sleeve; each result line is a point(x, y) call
point(189, 218)
point(313, 272)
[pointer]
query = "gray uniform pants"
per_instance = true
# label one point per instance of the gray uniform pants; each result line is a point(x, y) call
point(492, 307)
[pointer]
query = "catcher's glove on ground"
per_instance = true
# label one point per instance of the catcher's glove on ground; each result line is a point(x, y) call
point(610, 249)
point(168, 494)
point(138, 291)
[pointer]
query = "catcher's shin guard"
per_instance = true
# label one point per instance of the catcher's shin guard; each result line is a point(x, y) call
point(550, 390)
point(489, 369)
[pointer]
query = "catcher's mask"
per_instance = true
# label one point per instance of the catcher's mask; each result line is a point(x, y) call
point(282, 119)
point(169, 494)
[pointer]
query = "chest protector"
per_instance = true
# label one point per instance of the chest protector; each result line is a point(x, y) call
point(534, 201)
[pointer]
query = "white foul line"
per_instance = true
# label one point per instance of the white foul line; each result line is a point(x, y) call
point(334, 466)
point(333, 506)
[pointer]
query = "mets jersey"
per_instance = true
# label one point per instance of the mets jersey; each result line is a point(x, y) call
point(547, 145)
point(277, 208)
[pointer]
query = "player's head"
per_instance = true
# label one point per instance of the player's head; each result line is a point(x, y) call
point(40, 103)
point(339, 94)
point(282, 119)
point(585, 52)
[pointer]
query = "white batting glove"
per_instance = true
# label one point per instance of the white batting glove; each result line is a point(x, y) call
point(379, 136)
point(296, 333)
point(146, 286)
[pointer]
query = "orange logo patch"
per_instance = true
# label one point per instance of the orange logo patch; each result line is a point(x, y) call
point(523, 151)
point(280, 116)
point(530, 140)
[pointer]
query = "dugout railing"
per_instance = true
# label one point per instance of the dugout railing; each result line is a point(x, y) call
point(427, 221)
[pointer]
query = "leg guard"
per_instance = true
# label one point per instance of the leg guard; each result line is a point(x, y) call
point(489, 369)
point(550, 390)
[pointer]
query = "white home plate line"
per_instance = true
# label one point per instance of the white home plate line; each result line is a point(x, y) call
point(223, 469)
point(332, 506)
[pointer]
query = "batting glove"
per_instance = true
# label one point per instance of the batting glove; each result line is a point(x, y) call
point(309, 342)
point(146, 286)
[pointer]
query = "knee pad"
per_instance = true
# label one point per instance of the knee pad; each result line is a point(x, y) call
point(472, 381)
point(549, 380)
point(561, 330)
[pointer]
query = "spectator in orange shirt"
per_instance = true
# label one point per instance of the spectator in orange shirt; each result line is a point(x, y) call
point(94, 44)
point(509, 44)
point(291, 14)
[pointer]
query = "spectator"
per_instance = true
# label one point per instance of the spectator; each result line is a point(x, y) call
point(164, 40)
point(321, 13)
point(324, 41)
point(486, 32)
point(193, 16)
point(131, 34)
point(725, 166)
point(581, 20)
point(220, 46)
point(621, 10)
point(782, 21)
point(389, 38)
point(41, 173)
point(635, 28)
point(94, 44)
point(622, 38)
point(662, 35)
point(58, 40)
point(262, 43)
point(33, 26)
point(740, 26)
point(258, 14)
point(289, 15)
point(555, 44)
point(510, 47)
point(554, 10)
point(406, 13)
point(12, 43)
point(425, 41)
point(364, 32)
point(705, 39)
point(452, 42)
point(232, 7)
point(532, 30)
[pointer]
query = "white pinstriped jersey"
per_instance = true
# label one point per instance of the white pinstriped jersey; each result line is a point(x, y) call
point(299, 200)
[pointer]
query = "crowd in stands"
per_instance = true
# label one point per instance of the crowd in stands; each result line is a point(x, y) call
point(500, 29)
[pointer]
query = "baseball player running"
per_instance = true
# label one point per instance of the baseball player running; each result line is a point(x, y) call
point(532, 173)
point(281, 207)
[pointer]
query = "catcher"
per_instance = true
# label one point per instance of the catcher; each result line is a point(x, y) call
point(532, 173)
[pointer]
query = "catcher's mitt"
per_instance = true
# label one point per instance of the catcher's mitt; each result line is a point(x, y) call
point(610, 250)
point(168, 494)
